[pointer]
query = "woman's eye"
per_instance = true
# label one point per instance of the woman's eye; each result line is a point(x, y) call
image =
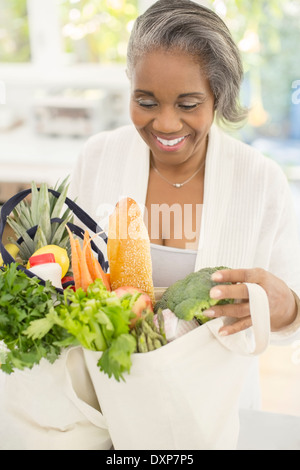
point(188, 107)
point(146, 103)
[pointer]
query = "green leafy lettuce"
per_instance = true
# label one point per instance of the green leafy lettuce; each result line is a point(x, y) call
point(96, 319)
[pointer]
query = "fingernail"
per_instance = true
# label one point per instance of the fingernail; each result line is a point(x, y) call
point(217, 277)
point(215, 293)
point(209, 313)
point(223, 333)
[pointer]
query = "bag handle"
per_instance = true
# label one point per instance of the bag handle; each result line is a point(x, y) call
point(260, 315)
point(9, 206)
point(241, 343)
point(92, 414)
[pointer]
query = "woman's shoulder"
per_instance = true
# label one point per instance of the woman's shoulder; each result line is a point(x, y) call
point(246, 156)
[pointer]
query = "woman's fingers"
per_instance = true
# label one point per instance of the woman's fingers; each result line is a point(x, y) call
point(234, 291)
point(237, 310)
point(255, 275)
point(238, 291)
point(235, 327)
point(283, 307)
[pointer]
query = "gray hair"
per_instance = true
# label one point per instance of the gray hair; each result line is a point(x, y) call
point(192, 28)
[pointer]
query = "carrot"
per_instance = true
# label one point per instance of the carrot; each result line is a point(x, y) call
point(88, 255)
point(84, 264)
point(94, 266)
point(75, 262)
point(101, 274)
point(86, 278)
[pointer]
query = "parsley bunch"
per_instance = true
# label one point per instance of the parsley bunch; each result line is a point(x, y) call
point(23, 300)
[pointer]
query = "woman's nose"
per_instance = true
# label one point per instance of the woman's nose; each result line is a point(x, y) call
point(167, 121)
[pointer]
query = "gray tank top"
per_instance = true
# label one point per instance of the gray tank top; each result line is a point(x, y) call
point(171, 264)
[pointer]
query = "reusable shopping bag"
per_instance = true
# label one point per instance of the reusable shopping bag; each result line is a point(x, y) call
point(184, 395)
point(51, 406)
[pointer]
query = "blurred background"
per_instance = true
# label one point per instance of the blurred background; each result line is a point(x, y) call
point(62, 78)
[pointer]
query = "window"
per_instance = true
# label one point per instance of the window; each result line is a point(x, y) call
point(80, 31)
point(96, 31)
point(267, 33)
point(14, 31)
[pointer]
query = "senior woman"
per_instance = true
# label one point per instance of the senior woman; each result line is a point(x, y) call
point(209, 199)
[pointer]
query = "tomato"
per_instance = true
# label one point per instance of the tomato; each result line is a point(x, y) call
point(142, 303)
point(68, 281)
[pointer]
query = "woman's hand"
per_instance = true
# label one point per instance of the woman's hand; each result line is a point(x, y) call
point(283, 308)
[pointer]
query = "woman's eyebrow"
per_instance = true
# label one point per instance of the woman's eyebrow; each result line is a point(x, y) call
point(182, 95)
point(145, 92)
point(196, 93)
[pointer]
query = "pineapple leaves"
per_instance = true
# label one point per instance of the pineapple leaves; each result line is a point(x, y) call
point(44, 211)
point(56, 208)
point(38, 212)
point(34, 203)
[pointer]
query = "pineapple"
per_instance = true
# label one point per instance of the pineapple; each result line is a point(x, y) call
point(38, 213)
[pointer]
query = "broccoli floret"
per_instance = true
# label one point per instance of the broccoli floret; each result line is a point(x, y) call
point(189, 297)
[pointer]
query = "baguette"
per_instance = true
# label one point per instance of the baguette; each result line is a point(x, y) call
point(128, 248)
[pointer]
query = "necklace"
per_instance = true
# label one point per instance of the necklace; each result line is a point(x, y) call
point(178, 185)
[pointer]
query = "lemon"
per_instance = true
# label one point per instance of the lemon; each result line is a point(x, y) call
point(12, 249)
point(60, 255)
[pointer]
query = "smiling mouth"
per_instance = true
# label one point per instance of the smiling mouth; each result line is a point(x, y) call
point(170, 142)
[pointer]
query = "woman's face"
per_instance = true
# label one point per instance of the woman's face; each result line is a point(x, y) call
point(172, 106)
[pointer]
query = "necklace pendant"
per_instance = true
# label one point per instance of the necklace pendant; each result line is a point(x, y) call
point(177, 185)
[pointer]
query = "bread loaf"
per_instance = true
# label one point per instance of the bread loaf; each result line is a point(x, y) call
point(128, 248)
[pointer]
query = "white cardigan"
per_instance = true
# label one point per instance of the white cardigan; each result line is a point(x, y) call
point(248, 218)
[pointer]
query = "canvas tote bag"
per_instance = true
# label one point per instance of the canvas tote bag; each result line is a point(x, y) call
point(184, 395)
point(51, 407)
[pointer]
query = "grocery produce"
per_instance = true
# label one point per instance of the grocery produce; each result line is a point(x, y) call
point(149, 337)
point(68, 281)
point(114, 313)
point(189, 297)
point(60, 255)
point(86, 268)
point(12, 249)
point(128, 248)
point(141, 303)
point(98, 320)
point(45, 267)
point(38, 212)
point(22, 300)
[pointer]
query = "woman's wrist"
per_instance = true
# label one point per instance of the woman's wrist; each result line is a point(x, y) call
point(290, 315)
